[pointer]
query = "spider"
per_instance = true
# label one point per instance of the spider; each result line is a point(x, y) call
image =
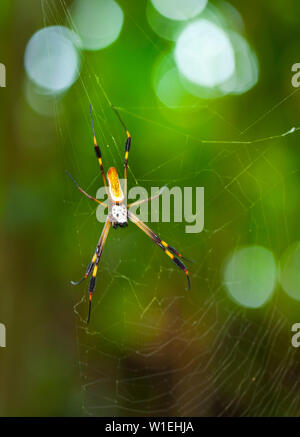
point(119, 213)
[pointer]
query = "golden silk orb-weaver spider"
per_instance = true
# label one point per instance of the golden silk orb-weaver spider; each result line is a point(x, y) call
point(119, 213)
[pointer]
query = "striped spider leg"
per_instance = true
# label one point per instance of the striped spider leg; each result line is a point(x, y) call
point(98, 151)
point(93, 266)
point(99, 158)
point(168, 250)
point(118, 214)
point(127, 148)
point(96, 258)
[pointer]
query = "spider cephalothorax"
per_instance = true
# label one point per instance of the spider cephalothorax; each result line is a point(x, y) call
point(119, 214)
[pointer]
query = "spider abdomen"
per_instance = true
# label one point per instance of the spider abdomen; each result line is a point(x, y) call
point(118, 215)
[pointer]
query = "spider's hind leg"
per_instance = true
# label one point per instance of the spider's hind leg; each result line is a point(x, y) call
point(172, 253)
point(100, 246)
point(88, 270)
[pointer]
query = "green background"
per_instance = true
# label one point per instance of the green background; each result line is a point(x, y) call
point(151, 348)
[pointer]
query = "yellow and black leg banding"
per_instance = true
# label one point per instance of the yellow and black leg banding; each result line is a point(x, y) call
point(91, 291)
point(97, 150)
point(95, 264)
point(93, 279)
point(99, 157)
point(88, 271)
point(169, 250)
point(182, 267)
point(163, 244)
point(90, 266)
point(175, 252)
point(127, 147)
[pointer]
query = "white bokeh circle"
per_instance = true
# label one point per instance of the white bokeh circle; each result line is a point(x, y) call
point(97, 22)
point(51, 59)
point(179, 9)
point(204, 54)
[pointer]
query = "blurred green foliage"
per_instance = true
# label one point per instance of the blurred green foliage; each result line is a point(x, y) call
point(195, 354)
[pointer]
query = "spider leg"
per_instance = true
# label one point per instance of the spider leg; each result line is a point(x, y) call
point(98, 151)
point(139, 202)
point(127, 148)
point(98, 254)
point(85, 193)
point(90, 266)
point(169, 250)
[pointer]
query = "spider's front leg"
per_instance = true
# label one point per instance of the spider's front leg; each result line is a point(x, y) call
point(84, 192)
point(127, 148)
point(139, 202)
point(98, 151)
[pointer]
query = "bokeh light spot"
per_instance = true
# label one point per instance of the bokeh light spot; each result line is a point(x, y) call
point(204, 54)
point(290, 271)
point(98, 23)
point(246, 67)
point(169, 89)
point(163, 26)
point(250, 276)
point(51, 59)
point(41, 103)
point(179, 9)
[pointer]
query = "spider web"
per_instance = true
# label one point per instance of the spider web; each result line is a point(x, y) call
point(152, 349)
